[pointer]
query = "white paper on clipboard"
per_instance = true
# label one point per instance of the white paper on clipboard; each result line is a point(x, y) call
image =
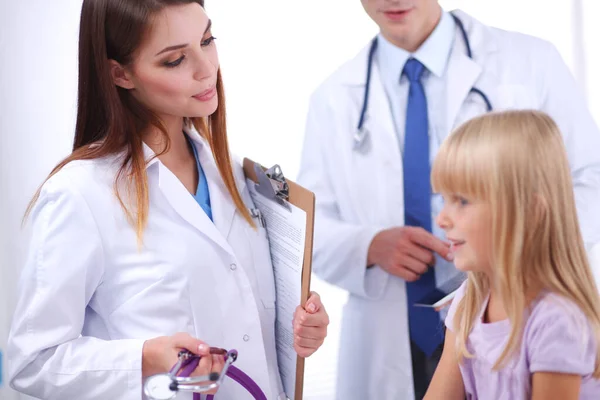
point(286, 230)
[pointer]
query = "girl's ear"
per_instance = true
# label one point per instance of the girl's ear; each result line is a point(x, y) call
point(120, 75)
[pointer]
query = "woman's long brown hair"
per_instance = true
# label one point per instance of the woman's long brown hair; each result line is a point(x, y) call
point(110, 120)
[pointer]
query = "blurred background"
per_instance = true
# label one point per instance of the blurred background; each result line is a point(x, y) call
point(273, 55)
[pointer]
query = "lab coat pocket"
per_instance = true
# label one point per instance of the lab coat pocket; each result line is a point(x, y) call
point(261, 253)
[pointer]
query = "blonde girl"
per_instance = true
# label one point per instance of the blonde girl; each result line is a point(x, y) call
point(526, 323)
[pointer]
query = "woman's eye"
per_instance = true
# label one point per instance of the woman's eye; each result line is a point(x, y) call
point(208, 41)
point(175, 63)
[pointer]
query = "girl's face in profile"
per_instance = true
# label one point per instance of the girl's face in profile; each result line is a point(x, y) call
point(174, 71)
point(468, 226)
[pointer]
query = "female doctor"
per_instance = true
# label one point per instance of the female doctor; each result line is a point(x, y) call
point(142, 240)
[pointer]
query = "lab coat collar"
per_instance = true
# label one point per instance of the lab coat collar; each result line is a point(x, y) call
point(463, 73)
point(223, 207)
point(433, 53)
point(480, 37)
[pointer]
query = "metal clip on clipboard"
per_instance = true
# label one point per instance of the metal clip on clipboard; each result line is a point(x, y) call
point(272, 185)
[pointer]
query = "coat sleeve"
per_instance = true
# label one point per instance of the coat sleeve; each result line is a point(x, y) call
point(48, 357)
point(340, 247)
point(566, 104)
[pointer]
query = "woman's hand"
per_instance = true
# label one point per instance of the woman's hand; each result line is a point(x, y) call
point(161, 353)
point(310, 326)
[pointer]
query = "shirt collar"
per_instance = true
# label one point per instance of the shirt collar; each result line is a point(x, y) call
point(433, 53)
point(198, 142)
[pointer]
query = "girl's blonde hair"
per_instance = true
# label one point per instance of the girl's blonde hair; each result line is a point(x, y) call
point(517, 163)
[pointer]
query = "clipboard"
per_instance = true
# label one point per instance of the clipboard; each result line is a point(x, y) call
point(272, 186)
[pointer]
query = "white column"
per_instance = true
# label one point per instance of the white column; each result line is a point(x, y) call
point(38, 77)
point(591, 31)
point(579, 51)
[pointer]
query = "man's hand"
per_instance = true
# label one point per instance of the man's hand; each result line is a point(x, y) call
point(406, 252)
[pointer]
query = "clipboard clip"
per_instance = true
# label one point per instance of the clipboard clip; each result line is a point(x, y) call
point(258, 215)
point(272, 185)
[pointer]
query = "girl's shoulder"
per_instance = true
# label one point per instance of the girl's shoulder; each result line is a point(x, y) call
point(554, 315)
point(458, 297)
point(551, 306)
point(559, 337)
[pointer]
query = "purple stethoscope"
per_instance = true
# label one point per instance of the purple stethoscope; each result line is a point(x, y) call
point(166, 386)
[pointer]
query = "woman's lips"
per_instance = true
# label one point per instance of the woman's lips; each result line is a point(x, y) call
point(206, 95)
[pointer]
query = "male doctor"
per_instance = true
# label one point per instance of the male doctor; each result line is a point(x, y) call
point(426, 72)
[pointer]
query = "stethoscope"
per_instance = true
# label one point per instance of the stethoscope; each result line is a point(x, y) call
point(166, 386)
point(361, 135)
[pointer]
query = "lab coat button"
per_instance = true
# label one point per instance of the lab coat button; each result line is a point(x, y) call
point(246, 338)
point(233, 267)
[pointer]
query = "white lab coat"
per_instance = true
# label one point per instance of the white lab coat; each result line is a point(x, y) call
point(360, 194)
point(89, 298)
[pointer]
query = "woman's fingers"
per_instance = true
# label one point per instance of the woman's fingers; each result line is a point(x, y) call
point(206, 366)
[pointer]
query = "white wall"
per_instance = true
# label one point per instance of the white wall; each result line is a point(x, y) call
point(591, 51)
point(273, 54)
point(38, 50)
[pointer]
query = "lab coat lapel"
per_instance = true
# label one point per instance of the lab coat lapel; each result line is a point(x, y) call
point(382, 162)
point(187, 207)
point(378, 119)
point(462, 75)
point(386, 160)
point(223, 207)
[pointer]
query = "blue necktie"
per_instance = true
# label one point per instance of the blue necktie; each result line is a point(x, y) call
point(424, 323)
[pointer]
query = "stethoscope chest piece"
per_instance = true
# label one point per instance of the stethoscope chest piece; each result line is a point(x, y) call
point(362, 140)
point(158, 387)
